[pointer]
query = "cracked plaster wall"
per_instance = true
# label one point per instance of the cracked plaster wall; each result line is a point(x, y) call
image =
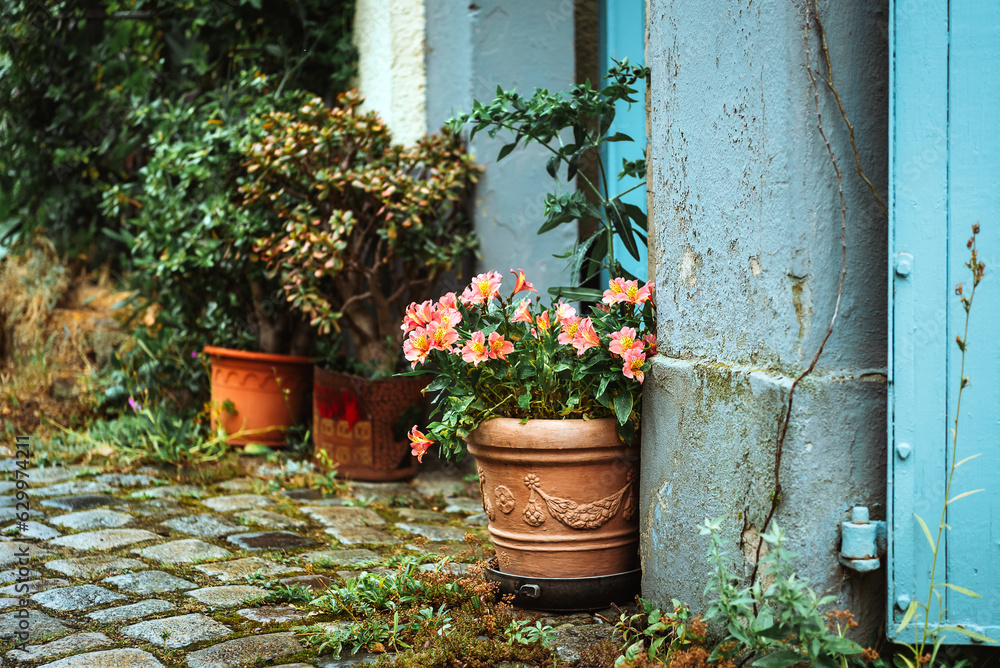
point(746, 232)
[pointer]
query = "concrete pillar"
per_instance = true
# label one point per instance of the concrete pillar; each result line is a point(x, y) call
point(746, 228)
point(390, 40)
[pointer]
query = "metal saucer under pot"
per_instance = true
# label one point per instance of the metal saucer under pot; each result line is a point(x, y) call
point(568, 594)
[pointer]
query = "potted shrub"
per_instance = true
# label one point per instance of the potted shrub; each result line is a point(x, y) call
point(367, 227)
point(548, 402)
point(194, 261)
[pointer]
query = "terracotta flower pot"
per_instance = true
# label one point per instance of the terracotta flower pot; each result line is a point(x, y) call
point(362, 424)
point(561, 496)
point(268, 393)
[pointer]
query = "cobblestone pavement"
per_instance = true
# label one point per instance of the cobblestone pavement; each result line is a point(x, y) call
point(133, 571)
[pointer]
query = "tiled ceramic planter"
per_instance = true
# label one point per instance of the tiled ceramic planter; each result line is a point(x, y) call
point(362, 424)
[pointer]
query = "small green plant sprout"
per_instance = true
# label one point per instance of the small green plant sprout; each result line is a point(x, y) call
point(928, 635)
point(361, 501)
point(293, 593)
point(779, 626)
point(165, 635)
point(658, 634)
point(523, 632)
point(12, 531)
point(327, 482)
point(585, 114)
point(257, 577)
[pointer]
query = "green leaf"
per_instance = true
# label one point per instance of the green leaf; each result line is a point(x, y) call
point(623, 406)
point(963, 495)
point(960, 590)
point(623, 227)
point(552, 166)
point(910, 611)
point(636, 214)
point(619, 136)
point(505, 151)
point(966, 632)
point(577, 294)
point(780, 659)
point(927, 532)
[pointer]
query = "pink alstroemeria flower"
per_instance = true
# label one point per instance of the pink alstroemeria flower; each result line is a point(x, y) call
point(448, 317)
point(650, 340)
point(419, 443)
point(484, 287)
point(543, 321)
point(522, 283)
point(417, 346)
point(475, 350)
point(619, 290)
point(570, 326)
point(623, 341)
point(564, 311)
point(448, 300)
point(499, 347)
point(417, 315)
point(586, 337)
point(522, 313)
point(442, 336)
point(632, 368)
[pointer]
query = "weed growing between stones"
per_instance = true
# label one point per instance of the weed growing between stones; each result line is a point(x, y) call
point(423, 617)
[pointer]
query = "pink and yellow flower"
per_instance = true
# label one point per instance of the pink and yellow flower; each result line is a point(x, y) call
point(417, 315)
point(634, 361)
point(499, 347)
point(586, 337)
point(417, 346)
point(570, 326)
point(419, 443)
point(522, 313)
point(448, 317)
point(442, 336)
point(564, 311)
point(623, 341)
point(448, 300)
point(475, 349)
point(650, 340)
point(522, 283)
point(619, 290)
point(484, 287)
point(543, 321)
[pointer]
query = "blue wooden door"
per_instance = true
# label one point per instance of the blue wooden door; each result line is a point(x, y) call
point(622, 34)
point(944, 176)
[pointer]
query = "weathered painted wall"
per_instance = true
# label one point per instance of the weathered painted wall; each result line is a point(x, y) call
point(523, 44)
point(390, 40)
point(746, 226)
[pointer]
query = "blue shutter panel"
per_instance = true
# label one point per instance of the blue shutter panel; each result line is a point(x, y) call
point(944, 176)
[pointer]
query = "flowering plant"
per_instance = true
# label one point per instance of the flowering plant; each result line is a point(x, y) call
point(500, 357)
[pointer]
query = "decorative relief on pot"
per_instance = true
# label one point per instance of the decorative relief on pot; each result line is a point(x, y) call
point(487, 505)
point(575, 515)
point(505, 499)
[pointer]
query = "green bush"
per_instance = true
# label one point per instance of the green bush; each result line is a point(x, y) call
point(76, 77)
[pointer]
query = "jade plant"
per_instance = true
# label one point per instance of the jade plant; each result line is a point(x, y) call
point(366, 226)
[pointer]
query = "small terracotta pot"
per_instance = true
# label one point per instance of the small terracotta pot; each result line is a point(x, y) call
point(268, 392)
point(362, 424)
point(561, 496)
